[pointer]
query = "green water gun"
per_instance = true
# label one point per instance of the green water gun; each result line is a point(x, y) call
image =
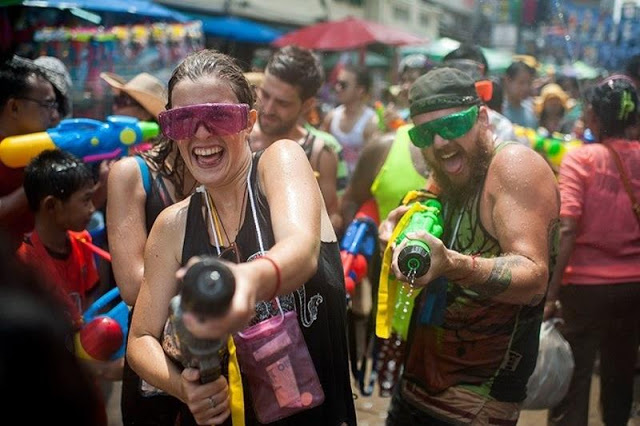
point(414, 261)
point(415, 258)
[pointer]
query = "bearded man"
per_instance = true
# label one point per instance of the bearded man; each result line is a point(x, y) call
point(500, 208)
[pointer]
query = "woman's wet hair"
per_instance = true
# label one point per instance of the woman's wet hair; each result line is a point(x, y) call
point(206, 62)
point(209, 62)
point(615, 104)
point(157, 156)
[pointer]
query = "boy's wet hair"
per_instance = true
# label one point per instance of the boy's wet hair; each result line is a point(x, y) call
point(299, 67)
point(57, 173)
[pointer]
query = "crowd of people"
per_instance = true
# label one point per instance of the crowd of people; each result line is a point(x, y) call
point(244, 171)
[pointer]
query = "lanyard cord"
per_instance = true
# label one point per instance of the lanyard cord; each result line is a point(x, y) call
point(214, 225)
point(203, 190)
point(254, 212)
point(214, 219)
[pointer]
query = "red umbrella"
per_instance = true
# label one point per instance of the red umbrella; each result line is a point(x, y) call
point(346, 34)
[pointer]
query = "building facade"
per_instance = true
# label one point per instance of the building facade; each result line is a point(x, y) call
point(415, 16)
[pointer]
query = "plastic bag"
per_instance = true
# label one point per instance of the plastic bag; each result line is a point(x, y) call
point(551, 378)
point(274, 358)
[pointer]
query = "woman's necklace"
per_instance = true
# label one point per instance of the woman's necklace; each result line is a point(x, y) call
point(217, 221)
point(214, 219)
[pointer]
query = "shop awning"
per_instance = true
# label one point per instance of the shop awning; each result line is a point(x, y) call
point(238, 29)
point(137, 7)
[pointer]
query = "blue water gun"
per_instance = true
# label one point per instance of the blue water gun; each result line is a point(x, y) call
point(103, 335)
point(87, 139)
point(358, 245)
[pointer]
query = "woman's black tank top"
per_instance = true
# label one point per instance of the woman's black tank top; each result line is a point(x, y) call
point(320, 305)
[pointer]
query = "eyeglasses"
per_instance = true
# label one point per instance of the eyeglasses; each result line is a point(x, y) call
point(219, 119)
point(50, 105)
point(448, 127)
point(123, 100)
point(342, 85)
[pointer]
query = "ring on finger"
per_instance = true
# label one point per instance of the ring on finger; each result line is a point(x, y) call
point(212, 402)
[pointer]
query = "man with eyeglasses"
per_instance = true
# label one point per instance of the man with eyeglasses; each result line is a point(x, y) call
point(500, 207)
point(27, 105)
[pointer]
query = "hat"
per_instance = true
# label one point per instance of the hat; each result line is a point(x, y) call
point(146, 89)
point(551, 91)
point(56, 72)
point(529, 60)
point(442, 88)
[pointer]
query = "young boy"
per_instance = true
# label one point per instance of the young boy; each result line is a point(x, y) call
point(59, 188)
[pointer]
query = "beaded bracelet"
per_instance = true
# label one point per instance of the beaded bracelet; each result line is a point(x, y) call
point(278, 278)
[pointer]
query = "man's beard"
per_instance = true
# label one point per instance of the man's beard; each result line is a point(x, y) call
point(479, 159)
point(277, 128)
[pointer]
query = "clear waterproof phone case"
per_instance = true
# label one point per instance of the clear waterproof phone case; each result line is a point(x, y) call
point(274, 358)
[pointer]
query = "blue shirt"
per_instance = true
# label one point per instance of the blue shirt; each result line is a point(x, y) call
point(520, 114)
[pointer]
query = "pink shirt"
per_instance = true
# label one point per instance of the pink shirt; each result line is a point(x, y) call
point(607, 247)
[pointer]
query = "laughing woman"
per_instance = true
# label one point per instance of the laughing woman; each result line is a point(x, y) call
point(269, 200)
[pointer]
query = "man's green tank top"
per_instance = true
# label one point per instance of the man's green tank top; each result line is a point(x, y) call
point(397, 176)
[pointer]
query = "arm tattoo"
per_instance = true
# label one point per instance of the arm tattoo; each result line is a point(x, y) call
point(499, 280)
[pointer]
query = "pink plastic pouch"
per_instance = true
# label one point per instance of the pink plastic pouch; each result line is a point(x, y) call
point(274, 359)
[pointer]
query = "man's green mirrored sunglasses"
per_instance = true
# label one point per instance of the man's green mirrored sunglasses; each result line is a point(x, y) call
point(448, 127)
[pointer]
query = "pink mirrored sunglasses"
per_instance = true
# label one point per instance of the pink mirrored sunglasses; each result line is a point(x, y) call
point(219, 119)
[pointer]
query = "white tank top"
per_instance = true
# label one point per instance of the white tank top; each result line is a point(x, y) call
point(353, 140)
